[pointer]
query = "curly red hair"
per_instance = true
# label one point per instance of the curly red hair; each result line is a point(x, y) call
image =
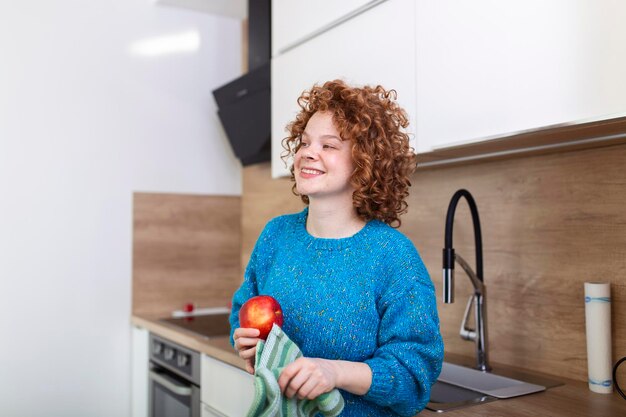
point(383, 159)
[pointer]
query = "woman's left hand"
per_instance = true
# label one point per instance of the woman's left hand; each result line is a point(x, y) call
point(308, 378)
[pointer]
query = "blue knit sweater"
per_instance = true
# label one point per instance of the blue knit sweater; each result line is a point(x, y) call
point(367, 298)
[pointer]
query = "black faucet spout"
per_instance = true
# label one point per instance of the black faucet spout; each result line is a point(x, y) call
point(478, 299)
point(448, 250)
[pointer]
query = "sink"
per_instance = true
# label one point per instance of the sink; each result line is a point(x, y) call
point(460, 386)
point(486, 382)
point(447, 397)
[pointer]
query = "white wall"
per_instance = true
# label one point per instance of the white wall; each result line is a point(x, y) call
point(83, 124)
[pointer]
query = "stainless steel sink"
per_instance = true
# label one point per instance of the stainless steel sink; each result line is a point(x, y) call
point(486, 382)
point(447, 397)
point(460, 386)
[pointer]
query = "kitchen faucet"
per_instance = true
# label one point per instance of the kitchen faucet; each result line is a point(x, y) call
point(478, 299)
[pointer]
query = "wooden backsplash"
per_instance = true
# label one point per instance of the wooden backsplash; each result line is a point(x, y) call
point(186, 248)
point(549, 223)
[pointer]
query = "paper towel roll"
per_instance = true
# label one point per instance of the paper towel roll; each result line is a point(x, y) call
point(598, 327)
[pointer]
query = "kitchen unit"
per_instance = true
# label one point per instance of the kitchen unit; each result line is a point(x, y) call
point(191, 374)
point(465, 72)
point(233, 388)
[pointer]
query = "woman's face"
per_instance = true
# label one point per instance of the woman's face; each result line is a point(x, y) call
point(323, 164)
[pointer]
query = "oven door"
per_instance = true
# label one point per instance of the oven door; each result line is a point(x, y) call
point(172, 396)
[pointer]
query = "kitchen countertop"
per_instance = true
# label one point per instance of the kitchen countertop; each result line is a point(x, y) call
point(572, 399)
point(217, 347)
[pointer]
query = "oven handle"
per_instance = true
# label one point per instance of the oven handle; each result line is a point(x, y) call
point(173, 387)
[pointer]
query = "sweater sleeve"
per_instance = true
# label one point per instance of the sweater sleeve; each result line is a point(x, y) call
point(410, 354)
point(249, 287)
point(247, 290)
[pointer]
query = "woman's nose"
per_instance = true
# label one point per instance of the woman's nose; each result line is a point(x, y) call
point(309, 153)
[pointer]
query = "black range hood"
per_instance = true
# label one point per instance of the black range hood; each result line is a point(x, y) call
point(244, 104)
point(244, 108)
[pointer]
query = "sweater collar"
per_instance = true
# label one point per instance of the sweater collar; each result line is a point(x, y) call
point(326, 243)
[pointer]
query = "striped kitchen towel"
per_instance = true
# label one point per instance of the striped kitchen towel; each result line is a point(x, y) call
point(271, 357)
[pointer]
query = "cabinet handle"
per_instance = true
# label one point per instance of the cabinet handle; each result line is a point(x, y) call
point(212, 410)
point(172, 386)
point(331, 25)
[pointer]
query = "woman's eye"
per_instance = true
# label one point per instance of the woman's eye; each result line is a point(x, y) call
point(329, 147)
point(304, 144)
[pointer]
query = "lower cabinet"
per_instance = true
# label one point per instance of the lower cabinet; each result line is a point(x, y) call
point(139, 372)
point(226, 391)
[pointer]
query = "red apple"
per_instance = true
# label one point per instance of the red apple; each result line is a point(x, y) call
point(261, 312)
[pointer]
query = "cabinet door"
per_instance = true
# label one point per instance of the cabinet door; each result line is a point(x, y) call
point(226, 390)
point(293, 20)
point(139, 374)
point(375, 47)
point(487, 68)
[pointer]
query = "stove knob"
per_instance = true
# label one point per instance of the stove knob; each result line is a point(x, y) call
point(157, 348)
point(169, 354)
point(182, 360)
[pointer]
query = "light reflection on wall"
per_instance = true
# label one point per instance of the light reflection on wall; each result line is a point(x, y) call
point(184, 42)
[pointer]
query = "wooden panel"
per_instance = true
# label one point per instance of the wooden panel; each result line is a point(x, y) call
point(550, 223)
point(185, 249)
point(262, 200)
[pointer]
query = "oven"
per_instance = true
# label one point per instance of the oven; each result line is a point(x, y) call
point(174, 380)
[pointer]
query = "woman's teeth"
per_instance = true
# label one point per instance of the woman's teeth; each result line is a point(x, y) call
point(311, 171)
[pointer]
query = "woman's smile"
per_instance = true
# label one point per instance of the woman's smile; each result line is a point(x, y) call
point(323, 162)
point(310, 173)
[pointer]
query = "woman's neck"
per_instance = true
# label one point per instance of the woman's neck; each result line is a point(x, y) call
point(334, 221)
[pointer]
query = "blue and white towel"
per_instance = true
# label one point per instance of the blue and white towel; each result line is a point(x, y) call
point(271, 357)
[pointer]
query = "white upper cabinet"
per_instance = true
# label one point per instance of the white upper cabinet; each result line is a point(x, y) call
point(294, 20)
point(374, 47)
point(464, 71)
point(487, 68)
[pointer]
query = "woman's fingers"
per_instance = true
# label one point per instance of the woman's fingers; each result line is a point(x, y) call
point(248, 353)
point(310, 389)
point(296, 382)
point(245, 338)
point(250, 366)
point(245, 343)
point(246, 332)
point(307, 378)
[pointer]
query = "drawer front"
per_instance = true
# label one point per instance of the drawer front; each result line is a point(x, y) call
point(226, 391)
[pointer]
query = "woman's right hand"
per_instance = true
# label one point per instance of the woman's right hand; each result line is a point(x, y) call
point(245, 344)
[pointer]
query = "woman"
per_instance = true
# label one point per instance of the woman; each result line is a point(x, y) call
point(356, 297)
